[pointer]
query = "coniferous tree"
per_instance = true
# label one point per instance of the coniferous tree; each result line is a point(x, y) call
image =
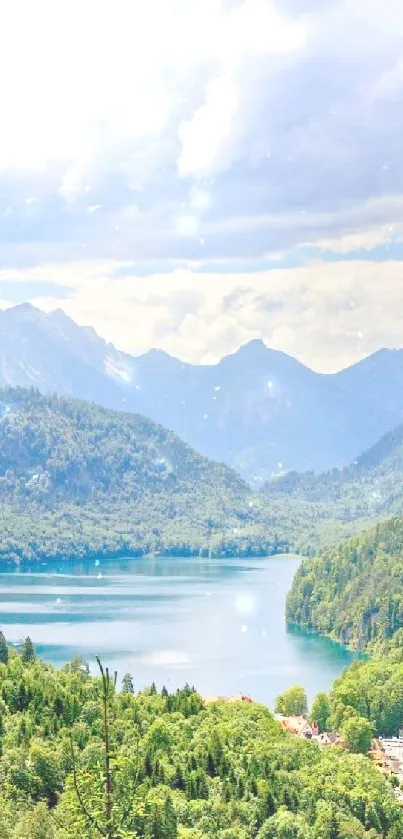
point(161, 821)
point(3, 649)
point(28, 651)
point(127, 683)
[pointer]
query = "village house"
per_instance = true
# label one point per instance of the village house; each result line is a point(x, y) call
point(298, 726)
point(388, 758)
point(328, 738)
point(392, 751)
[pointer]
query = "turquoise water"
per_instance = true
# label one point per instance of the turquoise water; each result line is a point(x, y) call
point(217, 624)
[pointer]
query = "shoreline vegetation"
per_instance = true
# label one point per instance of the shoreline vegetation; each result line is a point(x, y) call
point(79, 758)
point(27, 564)
point(31, 554)
point(353, 593)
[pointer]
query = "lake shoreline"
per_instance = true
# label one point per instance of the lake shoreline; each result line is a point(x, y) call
point(218, 623)
point(124, 554)
point(305, 631)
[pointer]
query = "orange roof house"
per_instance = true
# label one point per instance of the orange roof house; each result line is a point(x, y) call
point(298, 726)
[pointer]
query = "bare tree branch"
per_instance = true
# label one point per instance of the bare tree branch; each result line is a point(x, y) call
point(83, 806)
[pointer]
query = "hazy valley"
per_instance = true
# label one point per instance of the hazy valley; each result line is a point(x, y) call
point(259, 410)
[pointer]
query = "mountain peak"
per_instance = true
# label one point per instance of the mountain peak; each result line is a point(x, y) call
point(23, 309)
point(254, 345)
point(60, 313)
point(255, 354)
point(253, 350)
point(157, 358)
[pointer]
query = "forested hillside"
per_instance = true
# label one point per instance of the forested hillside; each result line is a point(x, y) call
point(373, 690)
point(76, 479)
point(369, 486)
point(353, 592)
point(339, 503)
point(172, 768)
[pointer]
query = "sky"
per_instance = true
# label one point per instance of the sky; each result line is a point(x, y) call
point(192, 174)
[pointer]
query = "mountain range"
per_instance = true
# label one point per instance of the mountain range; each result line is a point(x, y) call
point(259, 410)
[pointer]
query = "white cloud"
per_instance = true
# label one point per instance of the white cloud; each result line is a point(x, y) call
point(87, 83)
point(326, 314)
point(205, 134)
point(362, 240)
point(209, 138)
point(287, 107)
point(205, 137)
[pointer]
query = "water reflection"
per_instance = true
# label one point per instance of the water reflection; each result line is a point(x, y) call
point(216, 623)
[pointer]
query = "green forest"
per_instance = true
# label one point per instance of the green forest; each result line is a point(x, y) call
point(354, 592)
point(80, 758)
point(79, 480)
point(373, 690)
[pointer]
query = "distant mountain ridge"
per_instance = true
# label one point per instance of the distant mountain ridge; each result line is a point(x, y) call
point(374, 479)
point(259, 410)
point(342, 502)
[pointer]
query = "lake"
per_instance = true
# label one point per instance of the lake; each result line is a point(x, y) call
point(215, 623)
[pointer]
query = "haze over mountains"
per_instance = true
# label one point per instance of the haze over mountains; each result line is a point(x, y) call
point(340, 501)
point(258, 410)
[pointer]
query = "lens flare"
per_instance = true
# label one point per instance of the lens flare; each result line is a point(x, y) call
point(245, 604)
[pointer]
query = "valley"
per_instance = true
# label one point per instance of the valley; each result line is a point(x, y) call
point(118, 539)
point(259, 410)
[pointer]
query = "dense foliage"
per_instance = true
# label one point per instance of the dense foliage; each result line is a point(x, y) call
point(79, 480)
point(353, 592)
point(180, 769)
point(372, 689)
point(76, 479)
point(292, 701)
